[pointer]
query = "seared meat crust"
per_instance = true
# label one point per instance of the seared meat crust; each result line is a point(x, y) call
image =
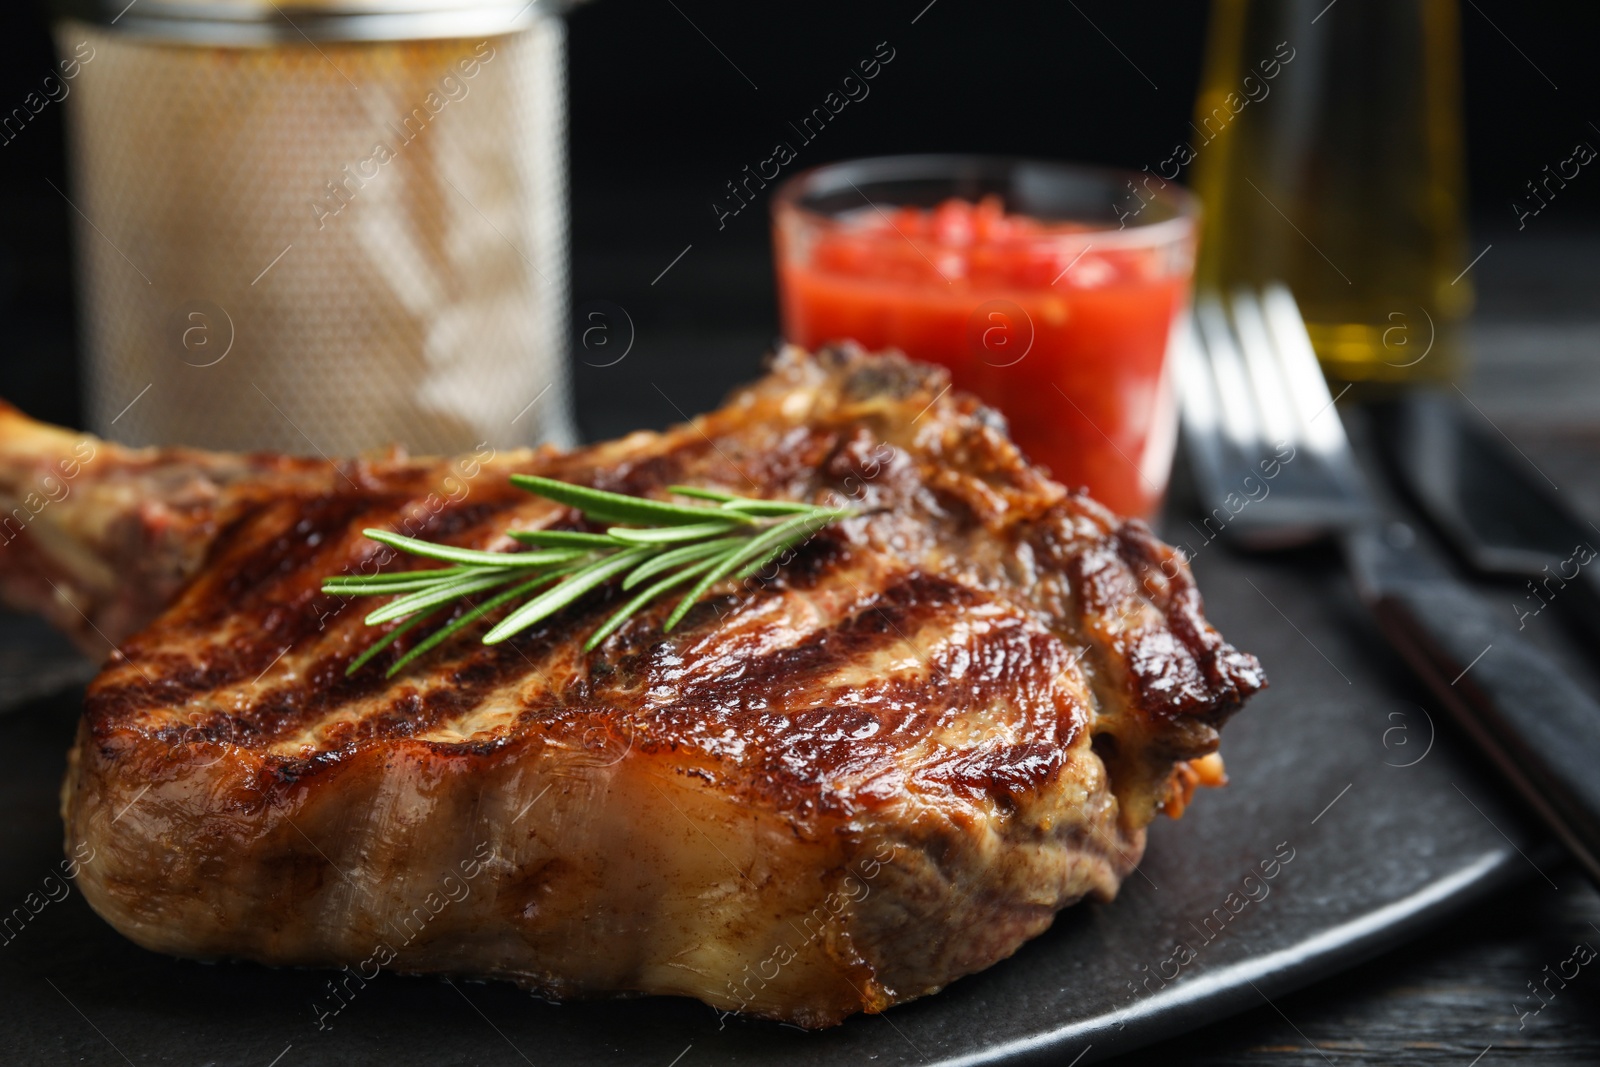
point(831, 789)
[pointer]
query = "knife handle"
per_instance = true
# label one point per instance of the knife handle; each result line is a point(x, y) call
point(1520, 707)
point(1581, 600)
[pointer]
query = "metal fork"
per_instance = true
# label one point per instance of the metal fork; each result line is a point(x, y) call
point(1274, 468)
point(1261, 426)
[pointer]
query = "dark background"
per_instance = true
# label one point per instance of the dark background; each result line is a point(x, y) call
point(660, 120)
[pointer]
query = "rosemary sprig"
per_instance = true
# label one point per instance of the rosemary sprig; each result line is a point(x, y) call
point(658, 544)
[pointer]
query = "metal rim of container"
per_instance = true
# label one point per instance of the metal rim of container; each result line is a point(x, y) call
point(256, 24)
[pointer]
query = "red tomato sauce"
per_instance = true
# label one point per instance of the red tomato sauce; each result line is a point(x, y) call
point(1067, 340)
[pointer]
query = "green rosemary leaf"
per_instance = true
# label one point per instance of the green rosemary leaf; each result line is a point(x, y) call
point(474, 557)
point(668, 560)
point(755, 546)
point(602, 506)
point(702, 494)
point(443, 593)
point(563, 538)
point(656, 545)
point(477, 557)
point(434, 579)
point(575, 586)
point(759, 564)
point(767, 507)
point(631, 608)
point(467, 618)
point(667, 534)
point(388, 577)
point(383, 642)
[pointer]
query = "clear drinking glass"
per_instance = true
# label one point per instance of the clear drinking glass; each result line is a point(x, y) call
point(1047, 289)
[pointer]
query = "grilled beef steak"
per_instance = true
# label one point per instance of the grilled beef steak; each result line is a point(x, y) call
point(828, 791)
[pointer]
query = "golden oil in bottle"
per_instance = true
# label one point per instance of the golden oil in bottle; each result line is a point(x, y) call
point(1327, 151)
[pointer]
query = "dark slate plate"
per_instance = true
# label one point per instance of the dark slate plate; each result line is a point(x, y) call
point(1389, 823)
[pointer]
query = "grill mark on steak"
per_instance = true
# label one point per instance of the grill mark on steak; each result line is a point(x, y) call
point(266, 580)
point(737, 702)
point(265, 583)
point(274, 597)
point(808, 713)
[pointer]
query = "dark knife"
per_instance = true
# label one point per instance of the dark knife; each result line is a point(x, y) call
point(1250, 379)
point(1494, 508)
point(1519, 706)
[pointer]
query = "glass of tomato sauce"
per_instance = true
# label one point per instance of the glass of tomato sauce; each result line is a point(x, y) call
point(1049, 290)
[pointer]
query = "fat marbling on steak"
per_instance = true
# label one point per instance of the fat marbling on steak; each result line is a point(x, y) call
point(828, 791)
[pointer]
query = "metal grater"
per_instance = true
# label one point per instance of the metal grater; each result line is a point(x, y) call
point(321, 228)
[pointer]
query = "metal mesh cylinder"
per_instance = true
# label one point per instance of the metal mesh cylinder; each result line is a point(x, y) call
point(322, 247)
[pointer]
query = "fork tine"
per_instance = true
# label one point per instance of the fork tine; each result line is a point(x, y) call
point(1195, 382)
point(1278, 418)
point(1202, 414)
point(1252, 372)
point(1240, 425)
point(1323, 431)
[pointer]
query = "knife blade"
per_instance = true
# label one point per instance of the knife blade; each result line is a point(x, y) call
point(1494, 508)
